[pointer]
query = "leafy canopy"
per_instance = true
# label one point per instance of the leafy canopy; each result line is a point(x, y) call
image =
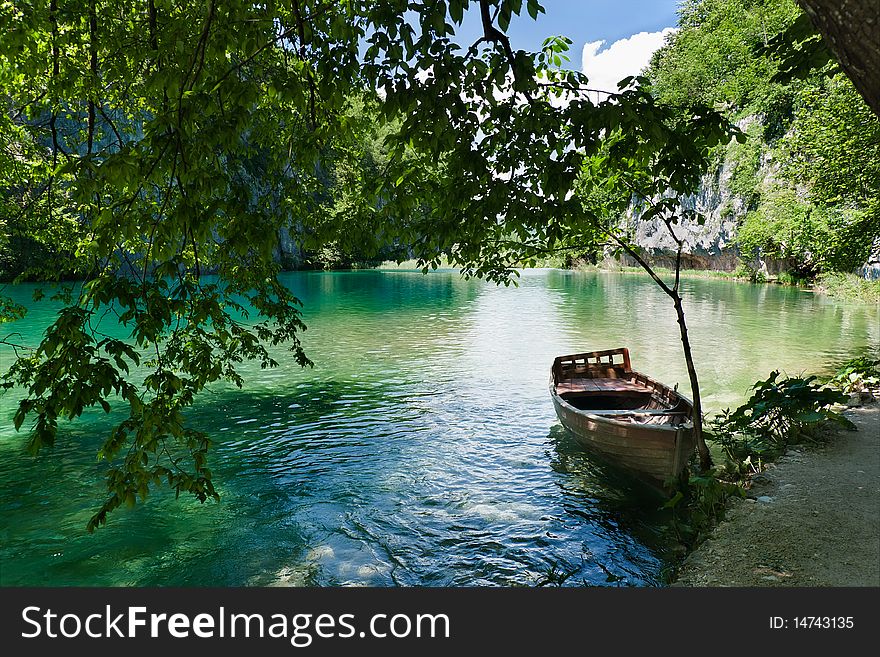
point(152, 143)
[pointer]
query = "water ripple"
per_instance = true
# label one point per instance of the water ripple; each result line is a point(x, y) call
point(422, 449)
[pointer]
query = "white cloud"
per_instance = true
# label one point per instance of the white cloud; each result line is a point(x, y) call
point(621, 59)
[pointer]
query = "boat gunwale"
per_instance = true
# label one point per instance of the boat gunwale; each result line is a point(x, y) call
point(604, 419)
point(630, 374)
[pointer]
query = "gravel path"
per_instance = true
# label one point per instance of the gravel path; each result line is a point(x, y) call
point(812, 520)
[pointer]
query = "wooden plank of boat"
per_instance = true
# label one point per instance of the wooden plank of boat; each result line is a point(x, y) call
point(606, 386)
point(622, 413)
point(642, 424)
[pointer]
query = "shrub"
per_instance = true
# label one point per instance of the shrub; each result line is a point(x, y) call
point(793, 278)
point(743, 270)
point(857, 375)
point(696, 510)
point(850, 287)
point(780, 412)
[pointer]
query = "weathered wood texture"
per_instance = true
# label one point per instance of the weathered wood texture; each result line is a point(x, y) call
point(851, 29)
point(647, 434)
point(599, 385)
point(654, 453)
point(611, 363)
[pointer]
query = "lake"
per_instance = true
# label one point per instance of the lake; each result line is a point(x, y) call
point(422, 449)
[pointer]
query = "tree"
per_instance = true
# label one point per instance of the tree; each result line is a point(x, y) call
point(850, 30)
point(714, 55)
point(835, 151)
point(174, 139)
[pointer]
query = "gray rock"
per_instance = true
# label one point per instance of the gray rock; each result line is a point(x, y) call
point(760, 485)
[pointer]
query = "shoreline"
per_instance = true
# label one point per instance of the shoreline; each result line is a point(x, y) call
point(811, 519)
point(841, 287)
point(845, 288)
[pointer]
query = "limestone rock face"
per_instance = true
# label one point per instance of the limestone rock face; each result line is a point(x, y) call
point(288, 253)
point(709, 246)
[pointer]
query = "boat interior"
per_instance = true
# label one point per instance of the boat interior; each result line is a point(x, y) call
point(603, 383)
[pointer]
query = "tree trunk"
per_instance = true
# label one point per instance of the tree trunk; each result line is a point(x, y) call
point(702, 448)
point(851, 29)
point(672, 292)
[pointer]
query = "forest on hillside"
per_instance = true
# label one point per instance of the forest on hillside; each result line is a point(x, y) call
point(801, 190)
point(806, 180)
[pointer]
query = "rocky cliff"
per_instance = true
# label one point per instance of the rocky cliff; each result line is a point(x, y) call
point(722, 201)
point(707, 246)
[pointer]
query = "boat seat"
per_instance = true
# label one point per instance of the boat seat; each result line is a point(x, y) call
point(650, 411)
point(604, 386)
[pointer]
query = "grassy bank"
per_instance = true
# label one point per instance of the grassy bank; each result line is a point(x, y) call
point(846, 287)
point(666, 272)
point(849, 287)
point(409, 264)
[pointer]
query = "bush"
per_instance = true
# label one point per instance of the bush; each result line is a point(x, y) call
point(857, 375)
point(850, 287)
point(780, 412)
point(794, 279)
point(779, 227)
point(696, 510)
point(816, 238)
point(743, 270)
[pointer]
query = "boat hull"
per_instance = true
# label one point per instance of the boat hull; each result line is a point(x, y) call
point(656, 453)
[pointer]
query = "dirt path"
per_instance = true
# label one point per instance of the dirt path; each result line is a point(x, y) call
point(812, 520)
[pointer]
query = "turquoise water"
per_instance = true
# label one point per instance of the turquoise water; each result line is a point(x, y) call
point(422, 449)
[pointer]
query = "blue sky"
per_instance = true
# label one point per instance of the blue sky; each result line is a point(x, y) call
point(592, 20)
point(601, 32)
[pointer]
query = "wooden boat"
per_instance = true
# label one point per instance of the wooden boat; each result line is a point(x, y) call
point(625, 417)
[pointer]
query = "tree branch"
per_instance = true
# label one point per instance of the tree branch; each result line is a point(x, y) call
point(93, 68)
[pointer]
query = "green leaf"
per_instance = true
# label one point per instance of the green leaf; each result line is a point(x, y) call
point(18, 418)
point(534, 8)
point(504, 15)
point(673, 501)
point(810, 416)
point(456, 11)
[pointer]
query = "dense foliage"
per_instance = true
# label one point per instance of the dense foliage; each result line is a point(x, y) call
point(147, 144)
point(857, 375)
point(809, 174)
point(781, 411)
